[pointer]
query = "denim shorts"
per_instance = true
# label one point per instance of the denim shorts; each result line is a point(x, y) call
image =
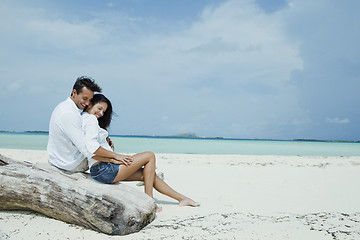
point(104, 172)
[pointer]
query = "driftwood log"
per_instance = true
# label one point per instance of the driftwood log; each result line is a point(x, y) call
point(114, 209)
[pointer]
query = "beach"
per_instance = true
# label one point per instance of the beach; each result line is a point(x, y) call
point(241, 196)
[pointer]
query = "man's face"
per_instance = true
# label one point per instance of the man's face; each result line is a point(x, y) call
point(82, 99)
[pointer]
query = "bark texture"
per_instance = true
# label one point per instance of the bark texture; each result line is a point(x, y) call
point(114, 209)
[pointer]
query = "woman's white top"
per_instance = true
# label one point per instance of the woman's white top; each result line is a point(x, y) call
point(95, 136)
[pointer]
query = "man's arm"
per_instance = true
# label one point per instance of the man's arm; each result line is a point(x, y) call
point(71, 125)
point(111, 144)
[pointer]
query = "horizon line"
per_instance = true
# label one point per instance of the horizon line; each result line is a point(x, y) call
point(194, 136)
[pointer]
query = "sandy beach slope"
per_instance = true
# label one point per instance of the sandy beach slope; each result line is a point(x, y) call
point(242, 197)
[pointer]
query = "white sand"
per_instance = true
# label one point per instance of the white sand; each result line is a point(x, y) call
point(242, 197)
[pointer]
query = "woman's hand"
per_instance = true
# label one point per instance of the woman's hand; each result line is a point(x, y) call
point(123, 160)
point(111, 144)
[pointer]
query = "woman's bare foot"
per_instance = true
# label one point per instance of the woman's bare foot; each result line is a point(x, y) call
point(158, 209)
point(188, 202)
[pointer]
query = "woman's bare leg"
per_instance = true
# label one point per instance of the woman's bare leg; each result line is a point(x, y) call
point(165, 189)
point(146, 159)
point(157, 183)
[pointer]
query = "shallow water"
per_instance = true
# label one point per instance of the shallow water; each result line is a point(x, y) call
point(126, 144)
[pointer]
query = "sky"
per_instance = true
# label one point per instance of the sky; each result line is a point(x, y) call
point(280, 69)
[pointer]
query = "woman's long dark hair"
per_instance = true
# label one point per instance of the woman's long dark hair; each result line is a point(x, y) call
point(105, 120)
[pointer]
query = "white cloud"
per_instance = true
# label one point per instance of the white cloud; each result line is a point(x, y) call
point(63, 34)
point(14, 86)
point(233, 54)
point(337, 120)
point(227, 73)
point(234, 45)
point(212, 68)
point(110, 4)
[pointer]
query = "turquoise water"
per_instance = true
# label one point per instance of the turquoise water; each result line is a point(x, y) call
point(123, 144)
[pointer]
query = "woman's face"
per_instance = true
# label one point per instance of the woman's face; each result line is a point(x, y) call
point(98, 109)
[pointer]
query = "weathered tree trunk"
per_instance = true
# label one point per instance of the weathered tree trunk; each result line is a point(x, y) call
point(114, 209)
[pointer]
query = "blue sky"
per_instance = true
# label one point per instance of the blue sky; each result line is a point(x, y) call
point(280, 69)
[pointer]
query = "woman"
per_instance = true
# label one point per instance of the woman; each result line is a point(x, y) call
point(139, 167)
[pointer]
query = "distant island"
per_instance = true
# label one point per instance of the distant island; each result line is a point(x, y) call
point(2, 131)
point(186, 135)
point(37, 131)
point(192, 135)
point(316, 140)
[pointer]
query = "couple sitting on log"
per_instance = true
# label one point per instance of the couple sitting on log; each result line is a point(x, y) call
point(79, 141)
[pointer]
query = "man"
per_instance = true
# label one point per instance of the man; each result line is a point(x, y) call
point(66, 144)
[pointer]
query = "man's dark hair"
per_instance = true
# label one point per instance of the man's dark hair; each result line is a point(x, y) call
point(87, 82)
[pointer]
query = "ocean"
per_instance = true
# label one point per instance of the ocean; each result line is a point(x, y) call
point(132, 144)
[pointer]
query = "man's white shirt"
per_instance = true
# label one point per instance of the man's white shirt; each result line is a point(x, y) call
point(66, 145)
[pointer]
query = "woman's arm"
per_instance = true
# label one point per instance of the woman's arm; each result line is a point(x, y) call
point(108, 156)
point(91, 128)
point(125, 161)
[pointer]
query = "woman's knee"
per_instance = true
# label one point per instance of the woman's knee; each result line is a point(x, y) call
point(150, 155)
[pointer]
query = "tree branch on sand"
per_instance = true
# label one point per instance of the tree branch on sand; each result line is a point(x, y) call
point(115, 209)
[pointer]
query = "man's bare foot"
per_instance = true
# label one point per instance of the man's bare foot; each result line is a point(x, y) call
point(188, 202)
